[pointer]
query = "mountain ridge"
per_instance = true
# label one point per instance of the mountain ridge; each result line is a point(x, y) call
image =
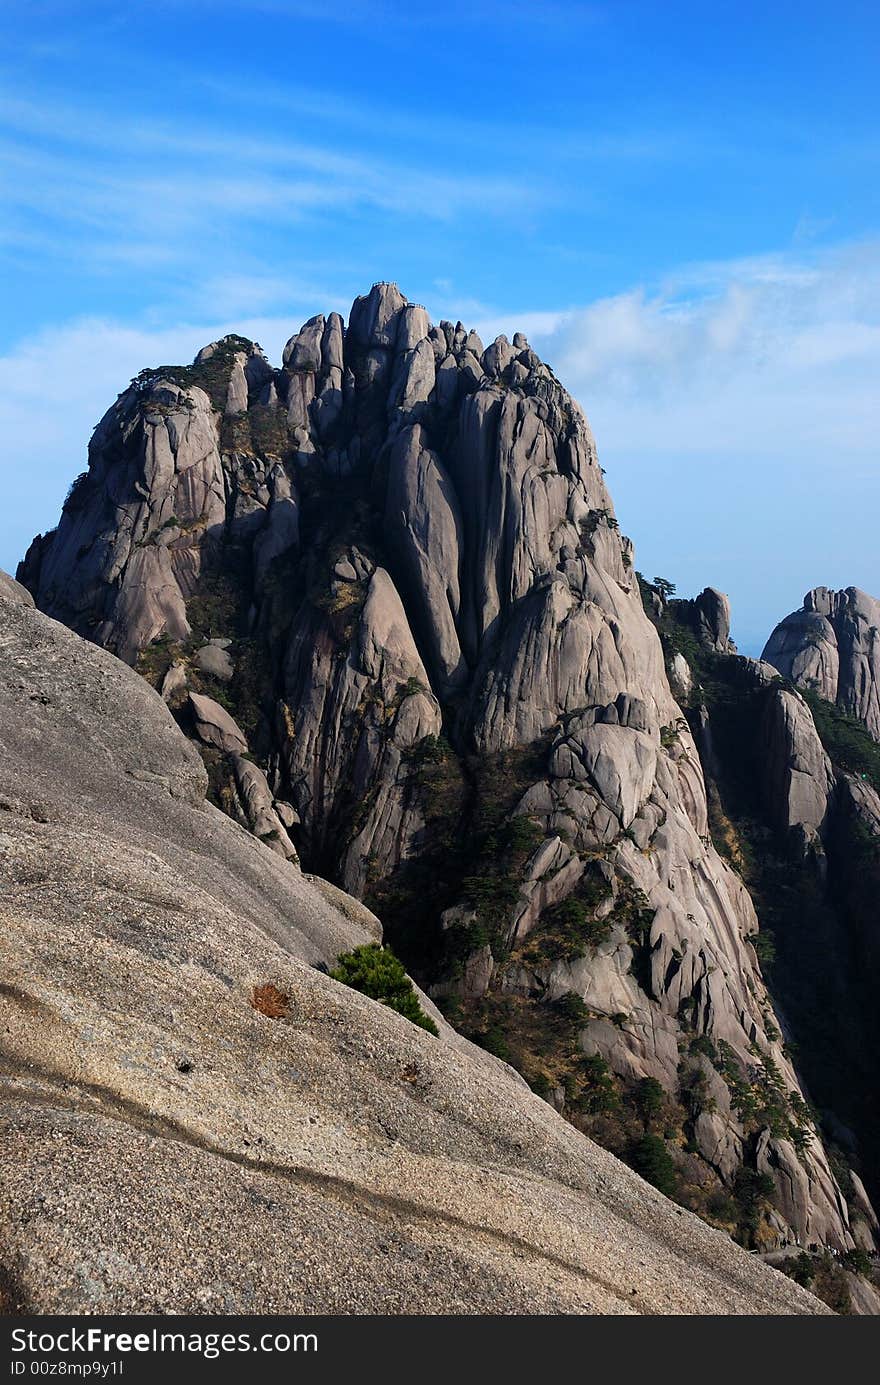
point(403, 544)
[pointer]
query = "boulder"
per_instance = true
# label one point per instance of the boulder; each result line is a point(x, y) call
point(12, 591)
point(214, 661)
point(174, 683)
point(680, 677)
point(214, 726)
point(711, 617)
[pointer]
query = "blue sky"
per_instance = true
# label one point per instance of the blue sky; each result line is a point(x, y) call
point(680, 203)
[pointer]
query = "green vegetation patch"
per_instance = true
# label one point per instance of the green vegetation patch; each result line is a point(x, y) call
point(541, 1042)
point(212, 375)
point(156, 658)
point(759, 1097)
point(376, 972)
point(570, 930)
point(845, 739)
point(475, 853)
point(649, 1157)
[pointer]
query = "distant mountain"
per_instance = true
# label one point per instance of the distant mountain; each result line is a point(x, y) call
point(832, 647)
point(384, 588)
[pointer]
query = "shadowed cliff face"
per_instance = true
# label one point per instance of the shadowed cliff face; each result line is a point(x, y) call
point(830, 650)
point(385, 588)
point(793, 797)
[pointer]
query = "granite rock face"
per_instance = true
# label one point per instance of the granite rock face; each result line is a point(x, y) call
point(125, 558)
point(408, 541)
point(794, 803)
point(710, 616)
point(13, 591)
point(168, 1147)
point(798, 778)
point(832, 647)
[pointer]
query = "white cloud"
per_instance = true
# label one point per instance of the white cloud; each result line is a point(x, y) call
point(774, 354)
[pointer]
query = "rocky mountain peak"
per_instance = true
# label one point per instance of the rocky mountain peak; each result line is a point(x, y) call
point(832, 647)
point(384, 588)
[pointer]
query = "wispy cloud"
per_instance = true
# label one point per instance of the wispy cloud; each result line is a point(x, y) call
point(778, 352)
point(91, 188)
point(487, 129)
point(566, 14)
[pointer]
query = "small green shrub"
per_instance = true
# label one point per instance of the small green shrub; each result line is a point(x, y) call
point(76, 495)
point(666, 588)
point(751, 1191)
point(571, 1008)
point(649, 1099)
point(650, 1157)
point(494, 1041)
point(765, 947)
point(593, 1086)
point(858, 1261)
point(800, 1268)
point(721, 1207)
point(694, 1092)
point(410, 688)
point(521, 834)
point(375, 971)
point(701, 1043)
point(540, 1085)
